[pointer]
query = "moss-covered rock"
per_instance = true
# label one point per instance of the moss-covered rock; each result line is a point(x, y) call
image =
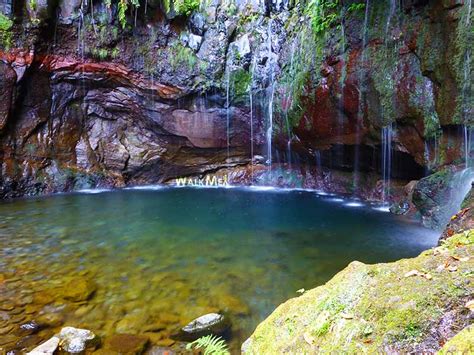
point(461, 343)
point(411, 305)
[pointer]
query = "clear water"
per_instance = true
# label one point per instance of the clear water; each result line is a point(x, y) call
point(184, 252)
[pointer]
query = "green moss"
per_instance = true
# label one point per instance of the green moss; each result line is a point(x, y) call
point(5, 31)
point(461, 343)
point(5, 23)
point(240, 82)
point(386, 307)
point(182, 55)
point(186, 7)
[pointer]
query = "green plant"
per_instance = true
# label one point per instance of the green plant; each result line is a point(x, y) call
point(356, 7)
point(211, 344)
point(185, 7)
point(33, 5)
point(183, 56)
point(5, 23)
point(5, 31)
point(122, 9)
point(322, 14)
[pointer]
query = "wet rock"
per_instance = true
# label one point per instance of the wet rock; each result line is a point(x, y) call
point(8, 79)
point(241, 46)
point(194, 42)
point(211, 323)
point(197, 24)
point(400, 208)
point(75, 340)
point(127, 343)
point(28, 328)
point(80, 289)
point(47, 348)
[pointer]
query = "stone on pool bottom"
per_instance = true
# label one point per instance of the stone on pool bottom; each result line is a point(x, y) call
point(148, 262)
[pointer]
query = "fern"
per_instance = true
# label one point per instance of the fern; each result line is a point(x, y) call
point(211, 344)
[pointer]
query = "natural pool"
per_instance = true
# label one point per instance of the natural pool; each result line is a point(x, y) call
point(152, 260)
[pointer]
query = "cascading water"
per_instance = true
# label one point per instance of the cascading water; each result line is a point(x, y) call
point(251, 116)
point(271, 94)
point(393, 8)
point(227, 105)
point(355, 182)
point(387, 135)
point(317, 156)
point(467, 133)
point(288, 102)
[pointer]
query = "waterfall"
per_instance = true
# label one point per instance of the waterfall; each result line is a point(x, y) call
point(393, 7)
point(254, 61)
point(467, 133)
point(317, 156)
point(360, 116)
point(271, 94)
point(387, 134)
point(288, 103)
point(227, 105)
point(270, 122)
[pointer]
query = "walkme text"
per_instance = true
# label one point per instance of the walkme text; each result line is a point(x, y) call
point(211, 180)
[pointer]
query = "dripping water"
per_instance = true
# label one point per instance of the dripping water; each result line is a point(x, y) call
point(288, 103)
point(387, 134)
point(317, 156)
point(227, 95)
point(271, 94)
point(251, 117)
point(360, 115)
point(467, 133)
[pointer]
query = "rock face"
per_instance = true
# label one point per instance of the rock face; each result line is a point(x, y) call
point(412, 305)
point(439, 195)
point(187, 94)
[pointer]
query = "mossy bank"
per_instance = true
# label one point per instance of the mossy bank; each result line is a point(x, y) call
point(412, 305)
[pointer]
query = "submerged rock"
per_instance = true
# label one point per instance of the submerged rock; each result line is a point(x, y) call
point(75, 340)
point(126, 343)
point(80, 289)
point(47, 348)
point(412, 305)
point(211, 323)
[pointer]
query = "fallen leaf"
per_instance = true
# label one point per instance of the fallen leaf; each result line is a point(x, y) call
point(455, 257)
point(367, 341)
point(454, 217)
point(309, 338)
point(412, 273)
point(427, 276)
point(347, 315)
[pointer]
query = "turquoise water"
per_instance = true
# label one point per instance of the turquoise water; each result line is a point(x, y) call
point(160, 258)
